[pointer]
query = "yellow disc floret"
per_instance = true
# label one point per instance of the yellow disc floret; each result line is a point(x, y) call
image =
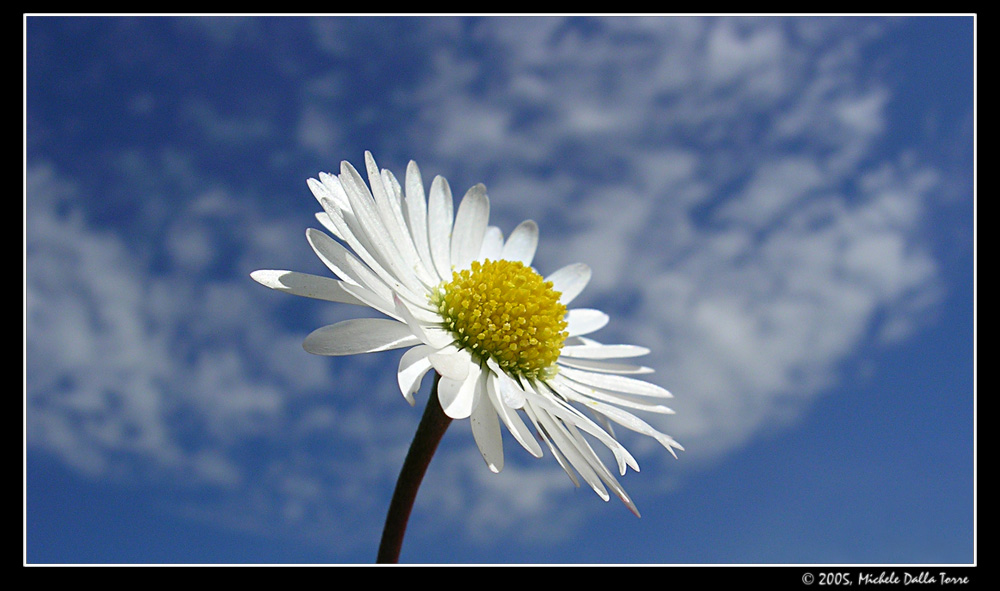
point(504, 310)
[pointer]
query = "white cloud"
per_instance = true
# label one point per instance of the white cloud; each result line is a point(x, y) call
point(117, 355)
point(749, 329)
point(91, 372)
point(753, 57)
point(773, 188)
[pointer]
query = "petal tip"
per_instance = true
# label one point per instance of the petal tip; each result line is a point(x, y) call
point(262, 276)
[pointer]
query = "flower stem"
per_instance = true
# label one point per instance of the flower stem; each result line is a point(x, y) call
point(432, 426)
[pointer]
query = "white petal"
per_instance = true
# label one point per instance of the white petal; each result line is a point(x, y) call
point(324, 218)
point(426, 325)
point(510, 392)
point(522, 243)
point(438, 337)
point(570, 281)
point(584, 321)
point(364, 250)
point(586, 394)
point(604, 366)
point(371, 299)
point(603, 351)
point(565, 444)
point(603, 422)
point(359, 335)
point(439, 224)
point(344, 264)
point(384, 188)
point(470, 226)
point(334, 188)
point(319, 191)
point(630, 421)
point(552, 447)
point(511, 419)
point(459, 397)
point(600, 468)
point(615, 383)
point(367, 225)
point(416, 216)
point(565, 412)
point(413, 366)
point(304, 284)
point(486, 429)
point(451, 362)
point(359, 280)
point(492, 244)
point(329, 188)
point(424, 331)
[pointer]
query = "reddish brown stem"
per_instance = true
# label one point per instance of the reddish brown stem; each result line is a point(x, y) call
point(432, 426)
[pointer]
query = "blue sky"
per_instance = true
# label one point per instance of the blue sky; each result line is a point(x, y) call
point(781, 209)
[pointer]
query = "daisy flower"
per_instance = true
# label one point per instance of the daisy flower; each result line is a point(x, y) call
point(467, 304)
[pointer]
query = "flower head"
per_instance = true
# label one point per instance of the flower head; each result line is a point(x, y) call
point(468, 304)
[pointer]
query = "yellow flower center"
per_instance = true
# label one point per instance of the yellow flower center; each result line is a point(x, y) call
point(504, 310)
